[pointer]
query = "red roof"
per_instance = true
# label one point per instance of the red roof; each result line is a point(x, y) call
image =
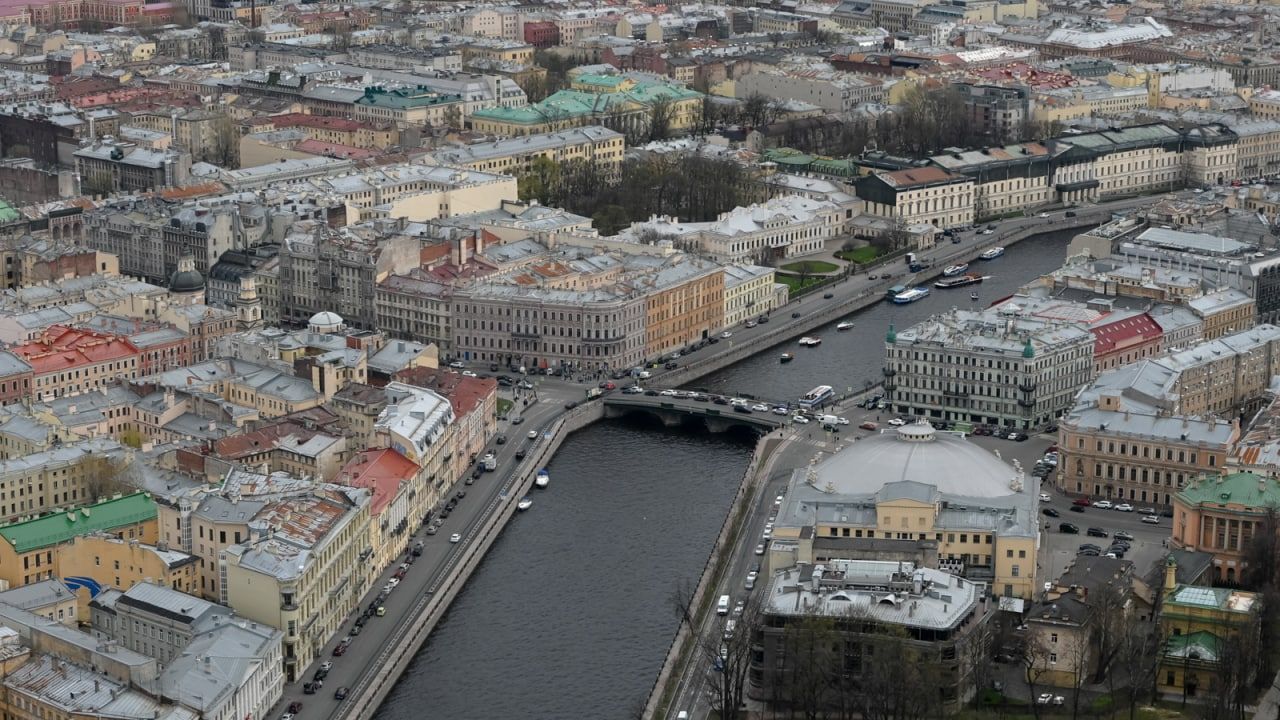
point(464, 393)
point(61, 348)
point(381, 471)
point(1124, 332)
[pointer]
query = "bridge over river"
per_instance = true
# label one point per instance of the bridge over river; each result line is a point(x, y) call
point(674, 411)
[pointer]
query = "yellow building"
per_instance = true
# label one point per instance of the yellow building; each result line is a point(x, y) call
point(749, 291)
point(617, 103)
point(689, 307)
point(1195, 623)
point(31, 551)
point(308, 574)
point(925, 196)
point(497, 51)
point(62, 476)
point(90, 563)
point(892, 495)
point(594, 144)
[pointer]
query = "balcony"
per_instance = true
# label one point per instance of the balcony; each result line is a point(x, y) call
point(526, 334)
point(1027, 386)
point(888, 371)
point(1026, 402)
point(603, 341)
point(890, 386)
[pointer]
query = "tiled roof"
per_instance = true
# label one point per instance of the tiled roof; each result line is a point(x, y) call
point(62, 526)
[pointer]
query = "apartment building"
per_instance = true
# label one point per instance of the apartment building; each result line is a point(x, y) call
point(67, 474)
point(592, 144)
point(1120, 443)
point(1212, 154)
point(1123, 161)
point(302, 570)
point(400, 497)
point(684, 304)
point(1007, 369)
point(414, 307)
point(1258, 154)
point(101, 560)
point(66, 361)
point(919, 196)
point(30, 549)
point(413, 191)
point(750, 291)
point(111, 167)
point(406, 107)
point(328, 270)
point(996, 110)
point(153, 620)
point(263, 390)
point(150, 237)
point(1224, 376)
point(833, 91)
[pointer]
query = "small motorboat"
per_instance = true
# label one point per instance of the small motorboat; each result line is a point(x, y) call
point(973, 296)
point(955, 270)
point(786, 357)
point(845, 325)
point(543, 478)
point(524, 504)
point(811, 341)
point(992, 254)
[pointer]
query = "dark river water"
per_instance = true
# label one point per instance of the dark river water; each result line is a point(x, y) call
point(568, 616)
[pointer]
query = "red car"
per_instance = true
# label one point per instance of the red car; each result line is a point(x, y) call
point(295, 707)
point(1083, 502)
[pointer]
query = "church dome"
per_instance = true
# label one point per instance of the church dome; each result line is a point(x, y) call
point(325, 321)
point(186, 279)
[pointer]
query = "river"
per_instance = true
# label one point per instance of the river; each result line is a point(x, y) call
point(569, 615)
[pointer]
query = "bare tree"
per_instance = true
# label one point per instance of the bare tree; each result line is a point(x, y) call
point(1139, 658)
point(1234, 670)
point(681, 600)
point(809, 643)
point(105, 476)
point(1109, 605)
point(901, 682)
point(729, 648)
point(1034, 658)
point(661, 116)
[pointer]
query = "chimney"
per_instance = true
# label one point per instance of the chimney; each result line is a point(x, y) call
point(1170, 573)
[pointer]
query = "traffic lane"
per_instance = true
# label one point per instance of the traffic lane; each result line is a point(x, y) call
point(424, 571)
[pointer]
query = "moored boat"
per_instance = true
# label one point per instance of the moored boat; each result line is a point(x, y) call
point(786, 357)
point(961, 281)
point(524, 504)
point(543, 478)
point(810, 341)
point(954, 270)
point(992, 254)
point(911, 295)
point(845, 325)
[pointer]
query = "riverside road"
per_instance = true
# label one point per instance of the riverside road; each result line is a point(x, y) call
point(491, 656)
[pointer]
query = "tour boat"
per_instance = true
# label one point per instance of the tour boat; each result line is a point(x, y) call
point(846, 325)
point(786, 357)
point(954, 270)
point(810, 341)
point(543, 478)
point(911, 295)
point(992, 254)
point(961, 281)
point(524, 504)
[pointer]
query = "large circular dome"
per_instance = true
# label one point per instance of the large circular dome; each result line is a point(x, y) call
point(917, 453)
point(325, 321)
point(186, 281)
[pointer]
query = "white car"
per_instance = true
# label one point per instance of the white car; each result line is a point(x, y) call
point(1044, 497)
point(1151, 519)
point(897, 422)
point(669, 393)
point(751, 579)
point(760, 407)
point(737, 609)
point(1124, 507)
point(1044, 214)
point(842, 421)
point(751, 323)
point(779, 410)
point(457, 364)
point(777, 502)
point(1102, 504)
point(800, 419)
point(1050, 699)
point(456, 537)
point(737, 401)
point(726, 335)
point(533, 434)
point(767, 534)
point(468, 373)
point(760, 549)
point(987, 231)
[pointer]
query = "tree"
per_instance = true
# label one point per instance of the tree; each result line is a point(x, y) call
point(900, 682)
point(105, 476)
point(1035, 660)
point(729, 653)
point(895, 238)
point(661, 113)
point(1262, 575)
point(681, 600)
point(1234, 672)
point(756, 110)
point(1109, 605)
point(540, 182)
point(1139, 658)
point(809, 643)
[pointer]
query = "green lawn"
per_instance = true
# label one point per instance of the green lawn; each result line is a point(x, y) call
point(504, 405)
point(862, 255)
point(793, 282)
point(811, 266)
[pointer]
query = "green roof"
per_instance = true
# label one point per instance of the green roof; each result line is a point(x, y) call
point(1201, 645)
point(569, 104)
point(7, 213)
point(601, 80)
point(63, 526)
point(1242, 488)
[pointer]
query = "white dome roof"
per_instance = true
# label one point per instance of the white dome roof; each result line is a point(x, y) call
point(324, 318)
point(917, 453)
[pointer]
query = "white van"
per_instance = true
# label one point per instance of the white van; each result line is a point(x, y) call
point(722, 607)
point(828, 420)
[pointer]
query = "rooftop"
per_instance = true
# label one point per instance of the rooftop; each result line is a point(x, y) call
point(60, 527)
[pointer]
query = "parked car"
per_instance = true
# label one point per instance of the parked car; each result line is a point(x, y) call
point(1096, 532)
point(1051, 512)
point(1076, 508)
point(1068, 528)
point(1102, 504)
point(1084, 501)
point(1124, 507)
point(1151, 519)
point(1122, 535)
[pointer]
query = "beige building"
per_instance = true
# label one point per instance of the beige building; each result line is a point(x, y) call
point(66, 475)
point(750, 291)
point(1220, 514)
point(1258, 152)
point(927, 195)
point(303, 569)
point(685, 304)
point(592, 144)
point(894, 491)
point(409, 107)
point(1010, 179)
point(110, 561)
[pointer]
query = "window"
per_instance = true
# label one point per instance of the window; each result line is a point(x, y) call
point(1022, 554)
point(1016, 570)
point(1053, 658)
point(1053, 637)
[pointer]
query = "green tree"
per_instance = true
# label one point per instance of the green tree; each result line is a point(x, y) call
point(610, 219)
point(540, 182)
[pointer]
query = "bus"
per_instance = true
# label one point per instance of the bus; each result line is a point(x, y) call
point(816, 397)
